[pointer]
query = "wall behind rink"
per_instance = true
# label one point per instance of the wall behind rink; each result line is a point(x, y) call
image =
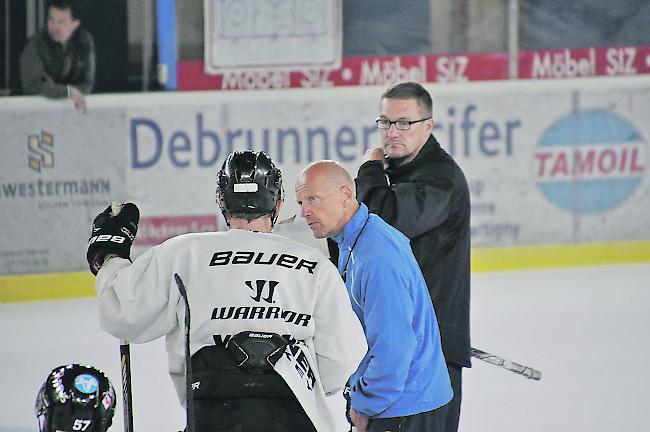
point(552, 165)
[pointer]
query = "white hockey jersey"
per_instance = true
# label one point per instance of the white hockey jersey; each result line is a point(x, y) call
point(238, 281)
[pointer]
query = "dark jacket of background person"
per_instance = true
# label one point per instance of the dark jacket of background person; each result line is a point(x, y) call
point(46, 68)
point(428, 201)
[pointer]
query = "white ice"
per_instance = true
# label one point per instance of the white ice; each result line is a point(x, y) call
point(585, 328)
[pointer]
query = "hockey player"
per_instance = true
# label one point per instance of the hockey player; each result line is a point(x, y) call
point(272, 330)
point(75, 397)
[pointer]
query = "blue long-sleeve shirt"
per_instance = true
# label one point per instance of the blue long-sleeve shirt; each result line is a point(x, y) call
point(404, 371)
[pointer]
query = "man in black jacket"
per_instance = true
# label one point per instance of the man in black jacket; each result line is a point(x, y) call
point(59, 61)
point(414, 185)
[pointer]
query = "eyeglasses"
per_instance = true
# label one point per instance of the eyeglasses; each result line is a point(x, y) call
point(399, 124)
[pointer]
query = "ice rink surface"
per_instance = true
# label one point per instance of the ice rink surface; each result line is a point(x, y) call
point(587, 329)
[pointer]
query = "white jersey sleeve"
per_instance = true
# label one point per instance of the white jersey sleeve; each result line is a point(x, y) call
point(135, 301)
point(339, 336)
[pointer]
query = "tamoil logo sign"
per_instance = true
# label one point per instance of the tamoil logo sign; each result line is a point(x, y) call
point(40, 149)
point(590, 161)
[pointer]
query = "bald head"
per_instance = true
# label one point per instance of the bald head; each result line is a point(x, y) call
point(325, 192)
point(330, 173)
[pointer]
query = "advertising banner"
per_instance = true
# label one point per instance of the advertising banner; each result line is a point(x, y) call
point(438, 68)
point(548, 162)
point(552, 164)
point(57, 167)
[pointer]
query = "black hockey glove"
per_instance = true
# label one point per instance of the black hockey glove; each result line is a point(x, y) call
point(112, 234)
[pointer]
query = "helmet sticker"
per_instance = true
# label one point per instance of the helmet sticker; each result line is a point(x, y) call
point(245, 187)
point(86, 383)
point(107, 401)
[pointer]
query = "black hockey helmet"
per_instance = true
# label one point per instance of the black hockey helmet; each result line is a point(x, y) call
point(75, 397)
point(249, 185)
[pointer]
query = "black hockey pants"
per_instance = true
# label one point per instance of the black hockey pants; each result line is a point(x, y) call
point(228, 399)
point(251, 415)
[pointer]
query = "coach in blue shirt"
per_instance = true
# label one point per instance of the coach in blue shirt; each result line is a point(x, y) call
point(402, 382)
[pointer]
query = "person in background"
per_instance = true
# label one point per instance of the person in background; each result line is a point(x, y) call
point(415, 186)
point(402, 382)
point(75, 397)
point(59, 61)
point(272, 330)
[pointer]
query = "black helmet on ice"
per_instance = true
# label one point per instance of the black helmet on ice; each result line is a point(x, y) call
point(249, 185)
point(75, 397)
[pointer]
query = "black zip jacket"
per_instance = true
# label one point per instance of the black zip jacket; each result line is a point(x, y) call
point(427, 199)
point(46, 68)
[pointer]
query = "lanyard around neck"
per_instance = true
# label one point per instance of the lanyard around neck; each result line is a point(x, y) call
point(345, 269)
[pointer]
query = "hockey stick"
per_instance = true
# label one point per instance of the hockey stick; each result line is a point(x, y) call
point(125, 358)
point(526, 371)
point(189, 396)
point(127, 402)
